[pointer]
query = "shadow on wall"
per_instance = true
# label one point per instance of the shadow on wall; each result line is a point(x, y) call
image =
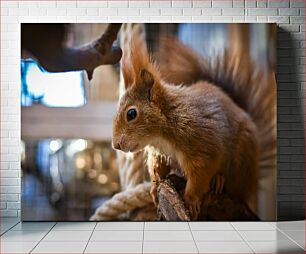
point(290, 126)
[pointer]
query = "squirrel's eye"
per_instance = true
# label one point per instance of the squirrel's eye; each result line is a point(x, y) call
point(131, 114)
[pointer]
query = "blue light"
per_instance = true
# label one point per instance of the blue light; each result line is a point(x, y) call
point(62, 89)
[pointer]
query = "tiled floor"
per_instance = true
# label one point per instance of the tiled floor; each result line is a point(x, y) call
point(152, 237)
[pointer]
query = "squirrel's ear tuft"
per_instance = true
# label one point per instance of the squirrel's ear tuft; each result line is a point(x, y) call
point(146, 78)
point(145, 82)
point(127, 72)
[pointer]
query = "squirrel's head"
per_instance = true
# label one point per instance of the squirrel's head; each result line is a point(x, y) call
point(138, 116)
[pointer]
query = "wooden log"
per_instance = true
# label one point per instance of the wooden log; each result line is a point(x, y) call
point(215, 207)
point(171, 206)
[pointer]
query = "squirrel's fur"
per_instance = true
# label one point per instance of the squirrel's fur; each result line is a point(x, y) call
point(253, 89)
point(204, 117)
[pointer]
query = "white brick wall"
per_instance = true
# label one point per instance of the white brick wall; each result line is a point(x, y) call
point(289, 13)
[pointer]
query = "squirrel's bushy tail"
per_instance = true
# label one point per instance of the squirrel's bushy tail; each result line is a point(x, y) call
point(249, 86)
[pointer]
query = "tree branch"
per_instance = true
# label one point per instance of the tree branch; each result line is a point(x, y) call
point(49, 50)
point(215, 207)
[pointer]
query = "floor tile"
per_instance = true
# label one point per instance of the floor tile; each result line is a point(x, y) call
point(211, 225)
point(169, 247)
point(301, 243)
point(273, 235)
point(276, 247)
point(291, 225)
point(60, 247)
point(63, 226)
point(253, 225)
point(98, 236)
point(7, 225)
point(17, 247)
point(120, 225)
point(216, 236)
point(295, 234)
point(166, 225)
point(167, 236)
point(114, 247)
point(70, 236)
point(5, 228)
point(273, 224)
point(224, 247)
point(23, 236)
point(33, 226)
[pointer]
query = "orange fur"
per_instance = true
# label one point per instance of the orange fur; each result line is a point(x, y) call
point(136, 60)
point(202, 128)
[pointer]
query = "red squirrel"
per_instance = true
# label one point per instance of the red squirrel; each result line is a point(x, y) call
point(197, 125)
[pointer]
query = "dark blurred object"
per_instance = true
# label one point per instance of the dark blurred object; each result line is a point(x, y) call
point(46, 43)
point(155, 31)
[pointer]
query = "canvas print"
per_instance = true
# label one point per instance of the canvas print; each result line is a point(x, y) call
point(148, 122)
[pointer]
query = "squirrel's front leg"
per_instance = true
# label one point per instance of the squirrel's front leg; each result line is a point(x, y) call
point(159, 167)
point(198, 183)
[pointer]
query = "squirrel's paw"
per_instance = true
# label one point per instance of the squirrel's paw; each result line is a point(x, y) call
point(153, 192)
point(193, 203)
point(217, 184)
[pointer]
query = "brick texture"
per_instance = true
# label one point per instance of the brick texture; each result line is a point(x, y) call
point(289, 14)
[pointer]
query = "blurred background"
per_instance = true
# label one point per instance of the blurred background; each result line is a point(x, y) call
point(68, 165)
